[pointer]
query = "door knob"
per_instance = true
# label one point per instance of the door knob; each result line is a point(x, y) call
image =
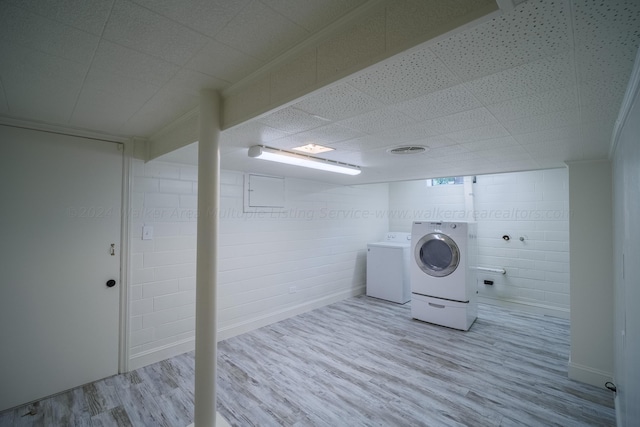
point(111, 283)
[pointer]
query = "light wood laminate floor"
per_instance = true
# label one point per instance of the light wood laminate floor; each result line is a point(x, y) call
point(359, 362)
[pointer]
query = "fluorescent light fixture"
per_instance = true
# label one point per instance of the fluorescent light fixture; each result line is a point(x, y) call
point(312, 149)
point(281, 156)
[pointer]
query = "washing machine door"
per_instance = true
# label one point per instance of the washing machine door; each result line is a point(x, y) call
point(437, 254)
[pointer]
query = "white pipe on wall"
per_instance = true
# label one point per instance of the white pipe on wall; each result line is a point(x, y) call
point(492, 270)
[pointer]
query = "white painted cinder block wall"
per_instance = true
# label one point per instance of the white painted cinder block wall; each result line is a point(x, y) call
point(317, 245)
point(533, 205)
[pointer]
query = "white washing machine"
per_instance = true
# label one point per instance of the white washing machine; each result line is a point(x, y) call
point(443, 278)
point(388, 268)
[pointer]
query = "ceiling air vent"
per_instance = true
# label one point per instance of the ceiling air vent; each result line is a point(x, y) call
point(410, 149)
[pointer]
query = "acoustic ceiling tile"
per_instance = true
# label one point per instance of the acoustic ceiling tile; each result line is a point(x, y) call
point(193, 82)
point(145, 31)
point(119, 60)
point(599, 60)
point(479, 133)
point(612, 20)
point(437, 141)
point(45, 35)
point(545, 74)
point(328, 134)
point(447, 151)
point(375, 121)
point(313, 16)
point(292, 120)
point(205, 16)
point(554, 134)
point(259, 31)
point(161, 109)
point(487, 144)
point(86, 15)
point(605, 92)
point(338, 102)
point(39, 86)
point(236, 65)
point(408, 133)
point(441, 103)
point(112, 112)
point(535, 104)
point(100, 95)
point(405, 77)
point(531, 31)
point(542, 122)
point(470, 119)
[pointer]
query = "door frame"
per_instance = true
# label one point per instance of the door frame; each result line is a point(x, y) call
point(125, 258)
point(128, 147)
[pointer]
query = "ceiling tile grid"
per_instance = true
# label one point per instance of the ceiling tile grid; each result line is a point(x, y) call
point(259, 31)
point(531, 31)
point(85, 15)
point(328, 134)
point(313, 16)
point(236, 65)
point(478, 133)
point(164, 105)
point(36, 32)
point(375, 121)
point(487, 144)
point(551, 72)
point(461, 121)
point(122, 61)
point(550, 135)
point(447, 101)
point(338, 102)
point(532, 105)
point(39, 85)
point(208, 17)
point(292, 120)
point(405, 77)
point(543, 121)
point(145, 31)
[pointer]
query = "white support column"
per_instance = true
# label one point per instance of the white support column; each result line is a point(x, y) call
point(207, 268)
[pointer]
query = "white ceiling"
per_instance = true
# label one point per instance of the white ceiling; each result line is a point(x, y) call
point(537, 86)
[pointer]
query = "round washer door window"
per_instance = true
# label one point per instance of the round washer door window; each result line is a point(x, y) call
point(437, 254)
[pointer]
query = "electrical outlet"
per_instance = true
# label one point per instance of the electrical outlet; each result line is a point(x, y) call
point(293, 289)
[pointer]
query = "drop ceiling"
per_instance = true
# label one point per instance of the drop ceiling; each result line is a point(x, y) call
point(532, 86)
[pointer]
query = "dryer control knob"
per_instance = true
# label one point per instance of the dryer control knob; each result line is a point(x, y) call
point(453, 226)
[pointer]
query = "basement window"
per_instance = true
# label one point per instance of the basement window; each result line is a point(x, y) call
point(451, 180)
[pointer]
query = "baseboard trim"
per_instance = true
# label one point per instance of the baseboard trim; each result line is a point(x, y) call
point(588, 375)
point(258, 322)
point(161, 353)
point(528, 307)
point(170, 350)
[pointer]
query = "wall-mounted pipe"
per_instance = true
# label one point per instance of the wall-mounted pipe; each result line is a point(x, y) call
point(492, 270)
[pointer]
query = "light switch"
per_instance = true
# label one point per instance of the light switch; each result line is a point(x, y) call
point(147, 232)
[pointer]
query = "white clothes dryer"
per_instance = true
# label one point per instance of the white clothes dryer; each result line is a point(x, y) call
point(443, 279)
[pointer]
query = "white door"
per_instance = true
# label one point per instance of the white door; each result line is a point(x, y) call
point(61, 207)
